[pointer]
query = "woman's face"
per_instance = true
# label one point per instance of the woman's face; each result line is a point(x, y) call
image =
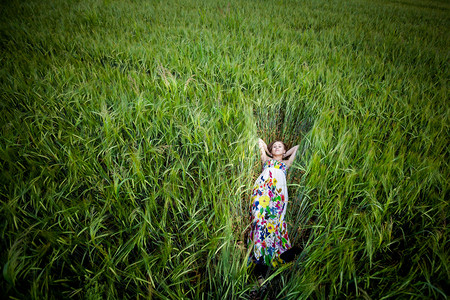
point(278, 148)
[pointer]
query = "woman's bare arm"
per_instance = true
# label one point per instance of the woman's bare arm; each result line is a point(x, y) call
point(292, 152)
point(263, 149)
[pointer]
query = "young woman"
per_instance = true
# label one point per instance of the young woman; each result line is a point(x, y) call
point(268, 233)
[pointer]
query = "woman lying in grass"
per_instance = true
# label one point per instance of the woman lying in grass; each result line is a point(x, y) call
point(268, 234)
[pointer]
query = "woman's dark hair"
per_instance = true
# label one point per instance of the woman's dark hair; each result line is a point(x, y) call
point(269, 147)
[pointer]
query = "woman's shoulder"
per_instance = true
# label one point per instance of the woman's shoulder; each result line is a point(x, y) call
point(286, 162)
point(266, 159)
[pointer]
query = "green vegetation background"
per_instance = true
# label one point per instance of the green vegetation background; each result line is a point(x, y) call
point(128, 146)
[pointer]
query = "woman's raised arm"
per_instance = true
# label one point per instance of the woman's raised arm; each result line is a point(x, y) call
point(263, 149)
point(292, 152)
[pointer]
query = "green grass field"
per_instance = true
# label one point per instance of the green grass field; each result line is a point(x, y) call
point(128, 146)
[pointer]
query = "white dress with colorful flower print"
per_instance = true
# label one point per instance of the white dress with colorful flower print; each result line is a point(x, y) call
point(268, 233)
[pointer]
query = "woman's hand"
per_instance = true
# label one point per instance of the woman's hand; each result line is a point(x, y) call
point(261, 143)
point(263, 149)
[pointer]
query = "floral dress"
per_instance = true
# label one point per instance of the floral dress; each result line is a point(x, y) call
point(268, 233)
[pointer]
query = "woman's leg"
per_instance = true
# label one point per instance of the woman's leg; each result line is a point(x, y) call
point(289, 255)
point(260, 270)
